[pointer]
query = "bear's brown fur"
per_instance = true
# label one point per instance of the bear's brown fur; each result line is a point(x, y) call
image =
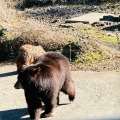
point(43, 81)
point(27, 55)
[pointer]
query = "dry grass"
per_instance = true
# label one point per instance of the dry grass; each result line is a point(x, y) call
point(17, 21)
point(29, 28)
point(22, 29)
point(20, 25)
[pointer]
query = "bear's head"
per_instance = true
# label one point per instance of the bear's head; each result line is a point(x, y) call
point(26, 76)
point(30, 74)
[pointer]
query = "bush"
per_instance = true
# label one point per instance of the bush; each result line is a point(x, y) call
point(21, 4)
point(16, 30)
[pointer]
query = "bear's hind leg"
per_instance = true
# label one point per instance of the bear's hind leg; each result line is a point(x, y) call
point(48, 111)
point(58, 100)
point(50, 104)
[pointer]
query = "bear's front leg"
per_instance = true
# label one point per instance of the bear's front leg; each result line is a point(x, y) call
point(34, 105)
point(37, 113)
point(34, 111)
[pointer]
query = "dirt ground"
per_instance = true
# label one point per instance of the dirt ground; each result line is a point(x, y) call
point(97, 97)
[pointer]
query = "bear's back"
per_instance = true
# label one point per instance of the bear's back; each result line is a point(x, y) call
point(54, 59)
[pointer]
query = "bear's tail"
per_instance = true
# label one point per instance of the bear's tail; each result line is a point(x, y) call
point(71, 97)
point(69, 89)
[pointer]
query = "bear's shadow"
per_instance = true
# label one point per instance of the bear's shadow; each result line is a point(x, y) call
point(17, 114)
point(8, 74)
point(13, 114)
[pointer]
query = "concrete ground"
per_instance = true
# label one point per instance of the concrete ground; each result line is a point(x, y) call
point(92, 18)
point(97, 97)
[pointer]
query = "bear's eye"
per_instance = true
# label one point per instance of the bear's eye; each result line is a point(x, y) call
point(19, 79)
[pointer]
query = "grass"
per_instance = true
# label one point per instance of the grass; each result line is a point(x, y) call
point(93, 53)
point(91, 58)
point(98, 34)
point(109, 39)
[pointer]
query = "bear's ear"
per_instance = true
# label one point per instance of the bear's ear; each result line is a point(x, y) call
point(36, 71)
point(23, 67)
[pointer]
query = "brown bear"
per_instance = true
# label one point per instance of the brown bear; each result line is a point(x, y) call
point(43, 81)
point(27, 55)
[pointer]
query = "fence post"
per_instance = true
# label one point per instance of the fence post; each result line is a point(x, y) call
point(118, 39)
point(70, 51)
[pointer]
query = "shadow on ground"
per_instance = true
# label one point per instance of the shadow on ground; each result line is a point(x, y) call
point(17, 114)
point(112, 28)
point(14, 114)
point(110, 18)
point(8, 74)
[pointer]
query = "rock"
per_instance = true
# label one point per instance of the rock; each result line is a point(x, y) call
point(3, 30)
point(66, 26)
point(111, 34)
point(119, 18)
point(98, 24)
point(54, 21)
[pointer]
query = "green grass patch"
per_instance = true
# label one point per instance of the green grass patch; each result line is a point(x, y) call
point(90, 58)
point(97, 34)
point(117, 11)
point(109, 39)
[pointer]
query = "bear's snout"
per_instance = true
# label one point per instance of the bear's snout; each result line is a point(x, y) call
point(18, 85)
